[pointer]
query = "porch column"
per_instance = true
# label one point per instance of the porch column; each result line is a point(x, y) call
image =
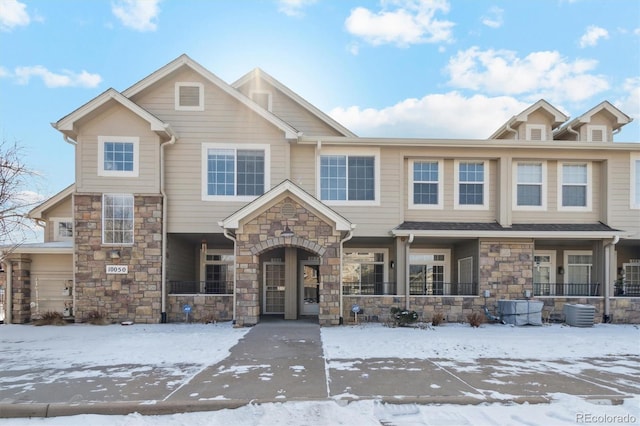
point(21, 290)
point(290, 283)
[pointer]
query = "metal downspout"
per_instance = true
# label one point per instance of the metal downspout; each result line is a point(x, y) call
point(163, 296)
point(341, 302)
point(230, 236)
point(8, 310)
point(609, 250)
point(74, 256)
point(407, 275)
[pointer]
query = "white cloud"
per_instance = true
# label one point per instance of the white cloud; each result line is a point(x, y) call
point(13, 14)
point(494, 17)
point(630, 104)
point(543, 74)
point(448, 115)
point(593, 34)
point(401, 22)
point(53, 80)
point(293, 7)
point(139, 15)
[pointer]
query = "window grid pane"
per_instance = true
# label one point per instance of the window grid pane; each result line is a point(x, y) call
point(250, 172)
point(361, 178)
point(470, 192)
point(220, 172)
point(118, 156)
point(425, 186)
point(118, 219)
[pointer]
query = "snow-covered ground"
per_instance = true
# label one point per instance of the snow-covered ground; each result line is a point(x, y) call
point(23, 348)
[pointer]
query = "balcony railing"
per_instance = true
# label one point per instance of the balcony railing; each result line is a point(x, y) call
point(627, 290)
point(566, 289)
point(376, 289)
point(200, 287)
point(444, 289)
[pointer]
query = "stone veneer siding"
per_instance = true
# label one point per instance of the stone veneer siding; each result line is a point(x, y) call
point(262, 233)
point(132, 297)
point(204, 308)
point(21, 289)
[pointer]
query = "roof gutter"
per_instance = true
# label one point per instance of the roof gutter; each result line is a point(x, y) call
point(231, 237)
point(163, 310)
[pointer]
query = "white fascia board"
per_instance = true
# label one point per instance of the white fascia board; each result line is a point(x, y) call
point(233, 221)
point(509, 234)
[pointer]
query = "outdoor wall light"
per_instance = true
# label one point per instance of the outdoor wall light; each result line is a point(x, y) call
point(392, 264)
point(287, 232)
point(560, 270)
point(114, 254)
point(203, 245)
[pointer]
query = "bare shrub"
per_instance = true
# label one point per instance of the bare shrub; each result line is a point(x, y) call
point(475, 319)
point(437, 319)
point(97, 318)
point(50, 318)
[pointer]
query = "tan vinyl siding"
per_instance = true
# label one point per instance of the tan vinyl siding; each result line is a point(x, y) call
point(118, 121)
point(303, 167)
point(621, 215)
point(62, 210)
point(50, 274)
point(291, 112)
point(224, 120)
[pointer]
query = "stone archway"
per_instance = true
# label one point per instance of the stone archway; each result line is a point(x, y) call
point(262, 232)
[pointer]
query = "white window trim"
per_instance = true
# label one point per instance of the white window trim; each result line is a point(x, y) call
point(385, 261)
point(263, 92)
point(541, 127)
point(543, 192)
point(634, 203)
point(446, 263)
point(133, 219)
point(485, 187)
point(55, 221)
point(565, 263)
point(552, 268)
point(592, 127)
point(200, 87)
point(351, 152)
point(440, 204)
point(235, 147)
point(588, 206)
point(119, 139)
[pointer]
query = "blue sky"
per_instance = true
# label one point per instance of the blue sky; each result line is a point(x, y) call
point(406, 68)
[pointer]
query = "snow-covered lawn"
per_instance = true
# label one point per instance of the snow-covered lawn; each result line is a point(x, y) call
point(174, 346)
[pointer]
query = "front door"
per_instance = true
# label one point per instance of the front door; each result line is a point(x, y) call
point(309, 284)
point(274, 287)
point(543, 273)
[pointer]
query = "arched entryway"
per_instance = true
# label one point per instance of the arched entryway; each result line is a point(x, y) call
point(278, 237)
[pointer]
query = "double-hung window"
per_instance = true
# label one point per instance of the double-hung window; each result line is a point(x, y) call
point(239, 171)
point(530, 189)
point(349, 178)
point(471, 188)
point(117, 219)
point(118, 156)
point(425, 188)
point(575, 186)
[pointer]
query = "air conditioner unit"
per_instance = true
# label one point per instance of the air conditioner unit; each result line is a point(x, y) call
point(579, 315)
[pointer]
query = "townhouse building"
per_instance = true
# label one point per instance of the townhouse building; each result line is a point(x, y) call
point(236, 201)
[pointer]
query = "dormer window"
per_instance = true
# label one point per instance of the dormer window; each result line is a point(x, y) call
point(536, 132)
point(596, 133)
point(189, 97)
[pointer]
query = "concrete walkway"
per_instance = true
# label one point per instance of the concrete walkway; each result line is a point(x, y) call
point(279, 361)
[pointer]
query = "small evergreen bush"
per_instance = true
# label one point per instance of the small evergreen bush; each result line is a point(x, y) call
point(97, 318)
point(403, 317)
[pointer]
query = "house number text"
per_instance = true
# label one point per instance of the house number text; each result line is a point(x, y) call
point(117, 269)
